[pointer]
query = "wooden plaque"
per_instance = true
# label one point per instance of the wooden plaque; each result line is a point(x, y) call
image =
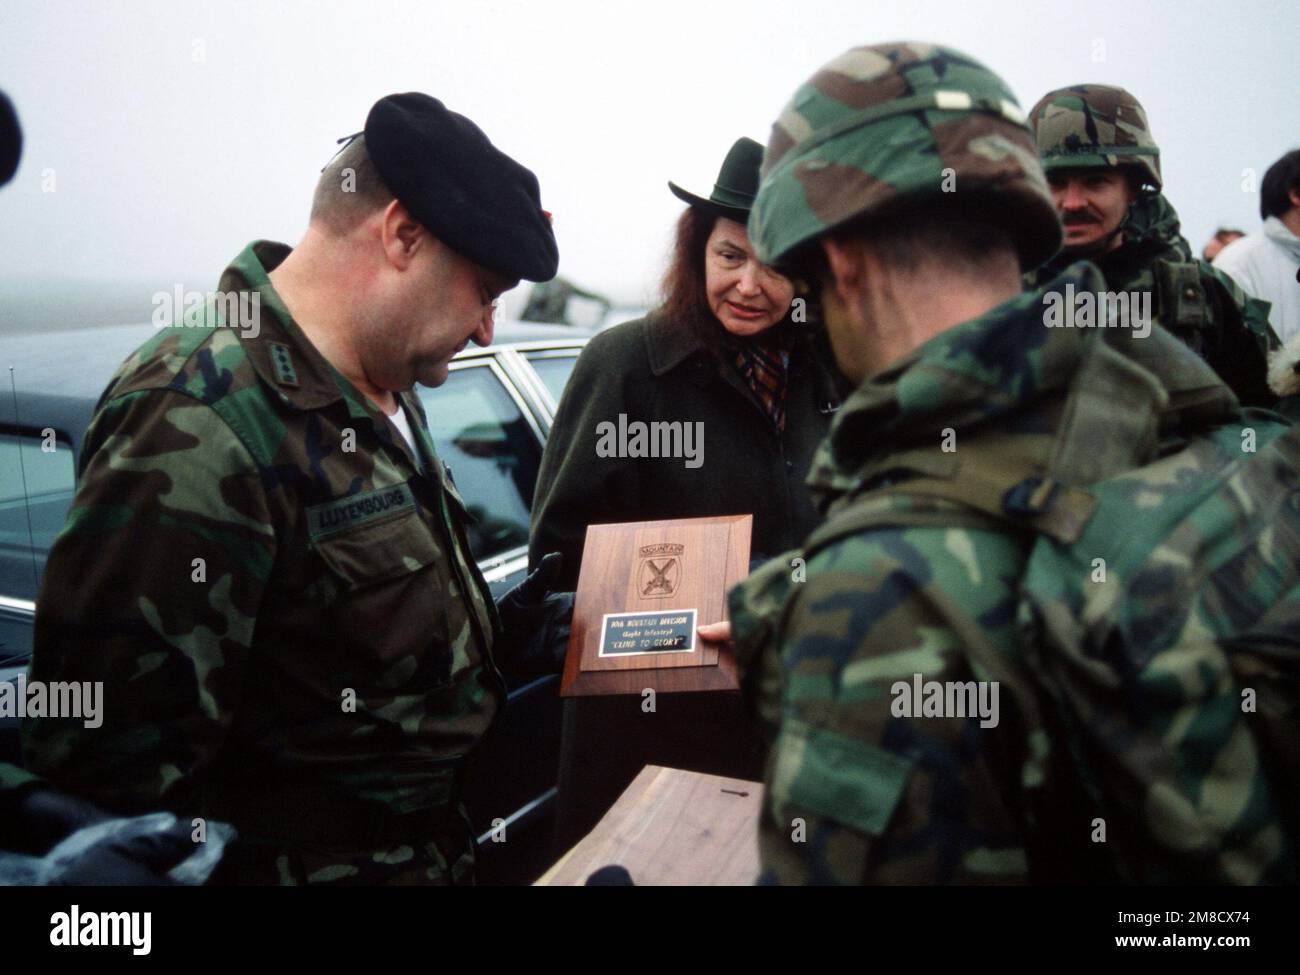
point(672, 828)
point(643, 588)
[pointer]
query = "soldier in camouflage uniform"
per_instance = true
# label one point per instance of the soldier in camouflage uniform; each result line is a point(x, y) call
point(903, 181)
point(266, 563)
point(1104, 170)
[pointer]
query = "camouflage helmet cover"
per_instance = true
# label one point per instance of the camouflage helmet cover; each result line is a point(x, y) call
point(1094, 126)
point(885, 125)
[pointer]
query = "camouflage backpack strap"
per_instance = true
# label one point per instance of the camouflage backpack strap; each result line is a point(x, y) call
point(991, 489)
point(898, 506)
point(1109, 423)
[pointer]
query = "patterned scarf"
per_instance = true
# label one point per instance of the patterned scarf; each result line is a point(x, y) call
point(764, 363)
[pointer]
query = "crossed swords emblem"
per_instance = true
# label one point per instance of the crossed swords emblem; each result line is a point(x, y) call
point(660, 581)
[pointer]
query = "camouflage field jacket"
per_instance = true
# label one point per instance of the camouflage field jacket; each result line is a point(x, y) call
point(862, 784)
point(280, 601)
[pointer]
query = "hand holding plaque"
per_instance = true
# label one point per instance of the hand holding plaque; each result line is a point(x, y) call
point(643, 588)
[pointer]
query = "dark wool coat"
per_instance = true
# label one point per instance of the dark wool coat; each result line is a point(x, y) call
point(654, 370)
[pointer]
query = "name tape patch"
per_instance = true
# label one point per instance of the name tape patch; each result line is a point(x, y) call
point(359, 509)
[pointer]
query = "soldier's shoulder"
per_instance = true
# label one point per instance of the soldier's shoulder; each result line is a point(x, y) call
point(885, 579)
point(207, 371)
point(920, 553)
point(205, 363)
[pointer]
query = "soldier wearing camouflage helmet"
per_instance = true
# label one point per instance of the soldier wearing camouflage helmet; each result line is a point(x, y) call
point(1103, 165)
point(902, 182)
point(1094, 138)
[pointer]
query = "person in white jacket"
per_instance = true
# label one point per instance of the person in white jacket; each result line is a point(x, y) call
point(1266, 263)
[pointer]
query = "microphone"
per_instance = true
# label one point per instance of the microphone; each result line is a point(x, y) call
point(610, 876)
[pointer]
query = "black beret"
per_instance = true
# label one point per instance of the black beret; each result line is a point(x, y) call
point(467, 193)
point(11, 139)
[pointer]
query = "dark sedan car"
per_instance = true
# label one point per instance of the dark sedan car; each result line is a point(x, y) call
point(489, 421)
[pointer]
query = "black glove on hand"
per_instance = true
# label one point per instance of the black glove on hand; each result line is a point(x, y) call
point(535, 623)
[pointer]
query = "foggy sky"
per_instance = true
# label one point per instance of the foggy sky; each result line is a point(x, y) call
point(176, 132)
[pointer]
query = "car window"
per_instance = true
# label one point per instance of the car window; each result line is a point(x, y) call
point(493, 454)
point(554, 367)
point(37, 479)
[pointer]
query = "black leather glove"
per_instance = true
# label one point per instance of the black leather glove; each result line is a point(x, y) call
point(535, 622)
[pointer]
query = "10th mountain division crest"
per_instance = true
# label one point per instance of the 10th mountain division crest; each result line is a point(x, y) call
point(660, 571)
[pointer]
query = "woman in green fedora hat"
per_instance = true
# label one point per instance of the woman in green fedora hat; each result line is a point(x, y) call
point(749, 378)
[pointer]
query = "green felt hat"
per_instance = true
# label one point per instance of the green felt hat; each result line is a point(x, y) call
point(733, 193)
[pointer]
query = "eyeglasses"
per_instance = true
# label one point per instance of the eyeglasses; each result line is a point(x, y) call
point(490, 292)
